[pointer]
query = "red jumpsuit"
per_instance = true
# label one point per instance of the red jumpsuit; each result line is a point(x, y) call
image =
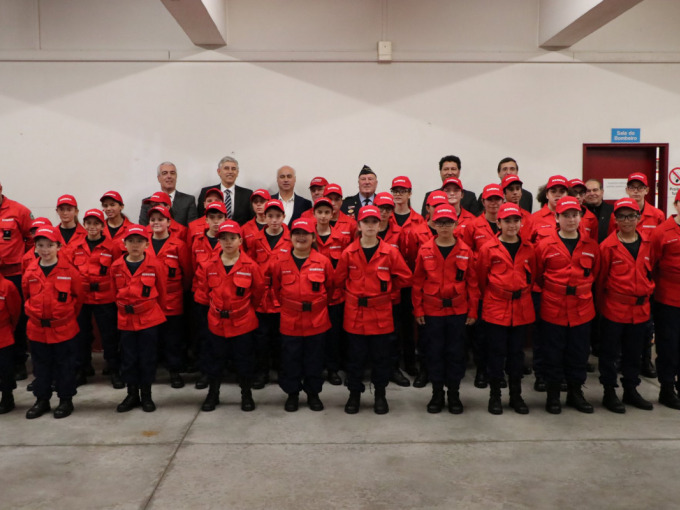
point(15, 226)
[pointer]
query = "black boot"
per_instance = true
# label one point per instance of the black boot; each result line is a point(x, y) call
point(40, 407)
point(131, 401)
point(7, 402)
point(421, 379)
point(480, 378)
point(398, 378)
point(455, 405)
point(202, 382)
point(353, 402)
point(552, 400)
point(212, 399)
point(20, 372)
point(539, 384)
point(576, 399)
point(380, 405)
point(516, 401)
point(667, 396)
point(247, 402)
point(176, 380)
point(611, 400)
point(314, 402)
point(436, 404)
point(116, 381)
point(334, 378)
point(633, 398)
point(148, 405)
point(64, 409)
point(495, 404)
point(292, 402)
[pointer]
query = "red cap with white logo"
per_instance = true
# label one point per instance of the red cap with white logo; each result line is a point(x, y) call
point(67, 200)
point(626, 202)
point(332, 188)
point(452, 180)
point(262, 193)
point(160, 197)
point(509, 209)
point(637, 176)
point(230, 227)
point(567, 203)
point(114, 195)
point(302, 224)
point(369, 211)
point(318, 181)
point(276, 203)
point(384, 198)
point(402, 182)
point(444, 212)
point(557, 180)
point(491, 190)
point(94, 213)
point(136, 230)
point(510, 179)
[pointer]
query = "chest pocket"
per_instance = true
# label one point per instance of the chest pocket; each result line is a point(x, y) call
point(316, 278)
point(80, 259)
point(35, 286)
point(355, 273)
point(9, 230)
point(430, 264)
point(619, 267)
point(557, 262)
point(148, 283)
point(173, 267)
point(242, 282)
point(587, 264)
point(63, 287)
point(105, 260)
point(385, 280)
point(461, 268)
point(498, 267)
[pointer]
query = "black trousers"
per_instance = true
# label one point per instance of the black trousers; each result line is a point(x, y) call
point(267, 343)
point(624, 341)
point(336, 341)
point(376, 348)
point(171, 342)
point(504, 350)
point(218, 349)
point(54, 362)
point(446, 349)
point(139, 356)
point(565, 352)
point(302, 363)
point(667, 325)
point(7, 382)
point(106, 316)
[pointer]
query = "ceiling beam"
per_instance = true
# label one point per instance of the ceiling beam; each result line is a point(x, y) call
point(564, 23)
point(204, 21)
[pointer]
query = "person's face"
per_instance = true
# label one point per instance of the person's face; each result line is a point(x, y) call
point(285, 178)
point(513, 193)
point(369, 226)
point(569, 221)
point(316, 192)
point(367, 184)
point(213, 197)
point(385, 212)
point(637, 191)
point(336, 200)
point(594, 193)
point(554, 194)
point(94, 227)
point(492, 204)
point(67, 213)
point(627, 219)
point(454, 193)
point(167, 177)
point(677, 206)
point(579, 192)
point(258, 205)
point(135, 245)
point(302, 241)
point(507, 168)
point(230, 243)
point(449, 169)
point(46, 249)
point(111, 208)
point(159, 223)
point(510, 226)
point(274, 219)
point(214, 220)
point(323, 214)
point(228, 172)
point(445, 227)
point(401, 195)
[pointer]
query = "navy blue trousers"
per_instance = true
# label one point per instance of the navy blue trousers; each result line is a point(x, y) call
point(106, 316)
point(565, 352)
point(504, 350)
point(7, 382)
point(171, 341)
point(219, 349)
point(139, 356)
point(376, 348)
point(336, 342)
point(667, 324)
point(446, 349)
point(54, 362)
point(267, 343)
point(624, 341)
point(302, 363)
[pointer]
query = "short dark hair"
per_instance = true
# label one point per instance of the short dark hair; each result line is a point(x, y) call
point(506, 160)
point(450, 159)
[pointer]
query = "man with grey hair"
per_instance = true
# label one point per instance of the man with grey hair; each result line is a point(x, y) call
point(236, 198)
point(183, 207)
point(293, 205)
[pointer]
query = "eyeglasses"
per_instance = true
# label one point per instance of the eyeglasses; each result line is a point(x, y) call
point(626, 217)
point(400, 191)
point(636, 188)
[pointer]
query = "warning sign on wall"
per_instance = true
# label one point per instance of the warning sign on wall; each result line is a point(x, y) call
point(674, 177)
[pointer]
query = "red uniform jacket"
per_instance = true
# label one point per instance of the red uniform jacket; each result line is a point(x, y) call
point(178, 270)
point(465, 218)
point(567, 279)
point(346, 224)
point(303, 294)
point(263, 255)
point(195, 227)
point(176, 229)
point(95, 269)
point(541, 224)
point(589, 223)
point(332, 248)
point(445, 286)
point(478, 233)
point(10, 310)
point(15, 226)
point(53, 302)
point(80, 233)
point(369, 285)
point(505, 284)
point(666, 246)
point(624, 285)
point(234, 296)
point(140, 297)
point(416, 233)
point(27, 259)
point(650, 218)
point(248, 231)
point(118, 244)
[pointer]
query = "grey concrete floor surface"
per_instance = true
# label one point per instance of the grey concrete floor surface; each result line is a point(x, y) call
point(179, 457)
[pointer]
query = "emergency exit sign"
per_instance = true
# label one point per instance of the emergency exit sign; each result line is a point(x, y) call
point(625, 135)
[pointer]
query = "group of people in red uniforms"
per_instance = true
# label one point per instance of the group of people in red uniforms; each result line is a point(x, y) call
point(333, 293)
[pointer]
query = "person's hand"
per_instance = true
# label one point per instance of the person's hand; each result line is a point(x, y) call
point(470, 321)
point(420, 320)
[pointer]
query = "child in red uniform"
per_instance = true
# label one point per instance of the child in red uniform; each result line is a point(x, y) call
point(198, 225)
point(303, 283)
point(234, 285)
point(370, 270)
point(69, 227)
point(454, 192)
point(10, 310)
point(140, 283)
point(175, 228)
point(116, 222)
point(53, 293)
point(258, 200)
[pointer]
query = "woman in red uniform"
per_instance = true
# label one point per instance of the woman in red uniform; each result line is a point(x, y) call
point(235, 286)
point(568, 263)
point(10, 310)
point(53, 295)
point(506, 267)
point(624, 287)
point(370, 270)
point(69, 227)
point(303, 283)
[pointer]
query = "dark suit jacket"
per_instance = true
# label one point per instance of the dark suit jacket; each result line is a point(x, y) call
point(351, 205)
point(300, 205)
point(242, 209)
point(468, 202)
point(183, 209)
point(603, 213)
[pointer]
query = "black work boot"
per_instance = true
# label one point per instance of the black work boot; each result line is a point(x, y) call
point(436, 404)
point(64, 409)
point(176, 380)
point(292, 402)
point(495, 404)
point(398, 378)
point(552, 400)
point(539, 383)
point(633, 398)
point(611, 400)
point(212, 399)
point(380, 405)
point(131, 401)
point(577, 400)
point(422, 378)
point(116, 382)
point(148, 405)
point(352, 405)
point(480, 378)
point(516, 401)
point(202, 382)
point(40, 407)
point(667, 396)
point(455, 405)
point(314, 402)
point(7, 402)
point(247, 402)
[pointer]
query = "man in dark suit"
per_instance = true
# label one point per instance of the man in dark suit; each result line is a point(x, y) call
point(183, 206)
point(293, 205)
point(509, 166)
point(449, 166)
point(368, 183)
point(602, 210)
point(237, 202)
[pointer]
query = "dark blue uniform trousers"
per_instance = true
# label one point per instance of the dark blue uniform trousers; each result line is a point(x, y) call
point(565, 352)
point(445, 353)
point(219, 349)
point(377, 348)
point(336, 343)
point(106, 316)
point(667, 324)
point(54, 362)
point(302, 363)
point(504, 350)
point(624, 341)
point(171, 342)
point(139, 356)
point(7, 382)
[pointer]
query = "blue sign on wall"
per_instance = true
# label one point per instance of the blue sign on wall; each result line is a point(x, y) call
point(625, 135)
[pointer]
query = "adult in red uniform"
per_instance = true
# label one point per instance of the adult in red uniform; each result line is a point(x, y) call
point(624, 287)
point(10, 310)
point(568, 263)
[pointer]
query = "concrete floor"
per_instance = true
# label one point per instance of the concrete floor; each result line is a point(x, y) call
point(179, 457)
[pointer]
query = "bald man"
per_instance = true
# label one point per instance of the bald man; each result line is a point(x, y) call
point(294, 205)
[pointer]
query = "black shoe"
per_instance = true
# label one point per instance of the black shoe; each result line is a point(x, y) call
point(667, 396)
point(247, 402)
point(334, 378)
point(7, 402)
point(314, 402)
point(455, 405)
point(421, 379)
point(633, 398)
point(292, 402)
point(40, 407)
point(176, 380)
point(353, 402)
point(116, 381)
point(398, 378)
point(20, 373)
point(503, 383)
point(148, 405)
point(480, 379)
point(29, 386)
point(576, 399)
point(611, 401)
point(64, 409)
point(202, 382)
point(539, 384)
point(518, 405)
point(495, 405)
point(552, 401)
point(380, 405)
point(260, 381)
point(436, 404)
point(131, 400)
point(647, 369)
point(211, 401)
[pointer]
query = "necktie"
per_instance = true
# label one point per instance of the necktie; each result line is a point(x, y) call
point(227, 203)
point(367, 201)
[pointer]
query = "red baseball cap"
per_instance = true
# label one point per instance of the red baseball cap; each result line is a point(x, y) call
point(369, 211)
point(318, 181)
point(161, 209)
point(322, 201)
point(275, 202)
point(509, 209)
point(48, 232)
point(637, 176)
point(452, 180)
point(216, 207)
point(114, 195)
point(567, 203)
point(136, 230)
point(67, 200)
point(303, 224)
point(626, 202)
point(492, 190)
point(677, 196)
point(557, 180)
point(332, 188)
point(41, 221)
point(437, 198)
point(576, 182)
point(230, 227)
point(445, 212)
point(216, 191)
point(402, 182)
point(262, 193)
point(510, 179)
point(94, 213)
point(160, 197)
point(384, 198)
